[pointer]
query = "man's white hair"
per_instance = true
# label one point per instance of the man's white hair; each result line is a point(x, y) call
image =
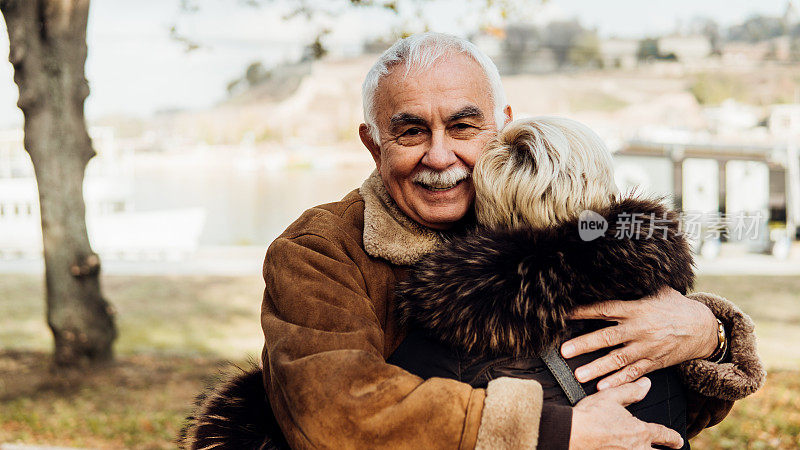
point(419, 52)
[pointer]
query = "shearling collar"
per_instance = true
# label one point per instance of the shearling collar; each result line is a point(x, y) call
point(510, 291)
point(388, 232)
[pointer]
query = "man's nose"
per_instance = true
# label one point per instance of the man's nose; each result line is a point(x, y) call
point(440, 154)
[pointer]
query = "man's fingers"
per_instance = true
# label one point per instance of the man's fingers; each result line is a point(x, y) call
point(607, 310)
point(602, 338)
point(662, 435)
point(627, 393)
point(629, 373)
point(621, 358)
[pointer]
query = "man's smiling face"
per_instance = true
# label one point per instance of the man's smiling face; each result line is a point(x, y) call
point(433, 125)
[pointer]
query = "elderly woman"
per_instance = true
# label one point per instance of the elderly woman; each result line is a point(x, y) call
point(497, 301)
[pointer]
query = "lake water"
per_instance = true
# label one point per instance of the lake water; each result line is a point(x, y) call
point(243, 207)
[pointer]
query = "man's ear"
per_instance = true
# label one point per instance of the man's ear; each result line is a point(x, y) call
point(509, 115)
point(372, 146)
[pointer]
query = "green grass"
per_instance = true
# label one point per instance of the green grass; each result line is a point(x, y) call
point(769, 419)
point(176, 333)
point(184, 316)
point(713, 89)
point(135, 402)
point(761, 88)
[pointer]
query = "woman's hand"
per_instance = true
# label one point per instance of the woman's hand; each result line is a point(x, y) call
point(657, 331)
point(601, 421)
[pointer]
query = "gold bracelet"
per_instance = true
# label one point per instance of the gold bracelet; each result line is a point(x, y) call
point(722, 344)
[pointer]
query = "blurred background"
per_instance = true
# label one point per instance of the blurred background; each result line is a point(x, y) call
point(216, 123)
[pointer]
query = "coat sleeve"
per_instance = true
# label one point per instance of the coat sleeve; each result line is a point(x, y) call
point(329, 384)
point(714, 387)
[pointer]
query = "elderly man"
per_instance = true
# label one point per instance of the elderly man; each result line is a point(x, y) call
point(431, 102)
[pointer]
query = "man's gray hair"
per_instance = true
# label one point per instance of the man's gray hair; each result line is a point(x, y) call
point(419, 52)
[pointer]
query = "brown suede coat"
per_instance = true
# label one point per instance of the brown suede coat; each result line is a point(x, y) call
point(329, 325)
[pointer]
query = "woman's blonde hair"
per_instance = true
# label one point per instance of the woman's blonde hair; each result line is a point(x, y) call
point(541, 172)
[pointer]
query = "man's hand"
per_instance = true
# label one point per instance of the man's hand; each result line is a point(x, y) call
point(657, 331)
point(601, 421)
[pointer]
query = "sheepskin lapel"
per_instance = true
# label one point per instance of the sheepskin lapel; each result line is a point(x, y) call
point(388, 232)
point(507, 292)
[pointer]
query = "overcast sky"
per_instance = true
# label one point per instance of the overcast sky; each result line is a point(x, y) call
point(135, 68)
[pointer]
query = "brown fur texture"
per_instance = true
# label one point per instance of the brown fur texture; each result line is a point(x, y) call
point(233, 414)
point(388, 232)
point(509, 292)
point(743, 373)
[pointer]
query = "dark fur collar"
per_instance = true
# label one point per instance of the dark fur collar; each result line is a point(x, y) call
point(509, 292)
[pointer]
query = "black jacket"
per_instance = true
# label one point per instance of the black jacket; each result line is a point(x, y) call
point(486, 304)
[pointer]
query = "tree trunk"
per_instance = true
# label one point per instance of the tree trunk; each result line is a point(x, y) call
point(48, 52)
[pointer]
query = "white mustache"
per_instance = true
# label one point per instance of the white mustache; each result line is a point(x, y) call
point(444, 179)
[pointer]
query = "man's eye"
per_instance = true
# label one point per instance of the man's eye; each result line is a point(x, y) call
point(413, 136)
point(463, 131)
